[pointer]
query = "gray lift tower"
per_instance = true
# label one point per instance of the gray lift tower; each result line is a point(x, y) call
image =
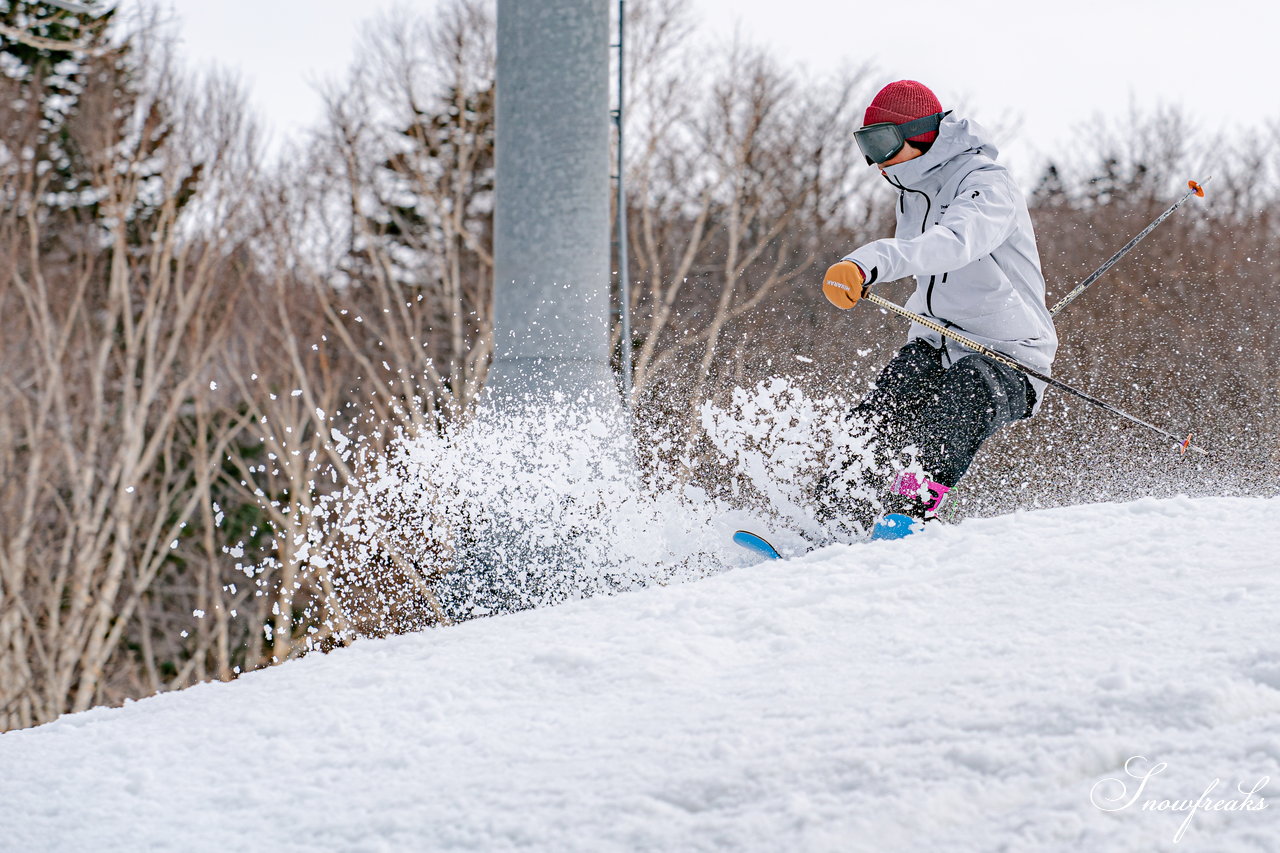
point(551, 319)
point(551, 223)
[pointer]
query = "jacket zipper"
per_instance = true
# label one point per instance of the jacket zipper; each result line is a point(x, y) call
point(924, 225)
point(928, 202)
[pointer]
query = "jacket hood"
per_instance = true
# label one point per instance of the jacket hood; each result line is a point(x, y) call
point(957, 138)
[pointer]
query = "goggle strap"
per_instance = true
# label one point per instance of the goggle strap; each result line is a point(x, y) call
point(927, 124)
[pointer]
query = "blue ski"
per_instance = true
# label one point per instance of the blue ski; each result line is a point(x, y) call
point(892, 526)
point(752, 542)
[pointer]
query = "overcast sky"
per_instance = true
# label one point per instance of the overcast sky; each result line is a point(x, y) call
point(1050, 67)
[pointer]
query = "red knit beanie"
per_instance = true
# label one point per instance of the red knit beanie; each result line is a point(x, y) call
point(902, 102)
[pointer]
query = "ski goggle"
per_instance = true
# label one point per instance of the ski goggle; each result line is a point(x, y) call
point(880, 142)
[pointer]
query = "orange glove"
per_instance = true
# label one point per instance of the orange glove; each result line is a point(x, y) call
point(842, 284)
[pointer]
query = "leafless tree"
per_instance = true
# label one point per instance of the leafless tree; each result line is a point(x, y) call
point(737, 189)
point(409, 142)
point(122, 314)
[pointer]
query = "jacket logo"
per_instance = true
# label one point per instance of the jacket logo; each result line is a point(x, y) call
point(975, 194)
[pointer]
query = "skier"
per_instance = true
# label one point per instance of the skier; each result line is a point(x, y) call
point(964, 232)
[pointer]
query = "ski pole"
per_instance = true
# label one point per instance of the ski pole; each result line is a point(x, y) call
point(1196, 190)
point(1185, 444)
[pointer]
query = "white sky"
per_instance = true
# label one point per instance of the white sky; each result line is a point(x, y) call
point(1050, 67)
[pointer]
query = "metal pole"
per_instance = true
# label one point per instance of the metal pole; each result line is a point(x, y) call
point(552, 311)
point(1196, 189)
point(553, 316)
point(1185, 444)
point(624, 277)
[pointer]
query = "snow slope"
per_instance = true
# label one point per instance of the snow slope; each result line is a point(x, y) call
point(972, 688)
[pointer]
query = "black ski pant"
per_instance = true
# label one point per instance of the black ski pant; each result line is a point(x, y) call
point(946, 412)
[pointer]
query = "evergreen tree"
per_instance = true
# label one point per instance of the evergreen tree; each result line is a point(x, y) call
point(46, 55)
point(1050, 191)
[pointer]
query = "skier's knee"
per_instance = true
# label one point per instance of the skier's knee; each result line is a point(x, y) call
point(999, 393)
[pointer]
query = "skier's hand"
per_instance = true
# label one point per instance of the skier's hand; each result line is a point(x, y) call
point(842, 284)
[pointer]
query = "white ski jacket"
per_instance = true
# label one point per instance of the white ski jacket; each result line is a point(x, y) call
point(964, 233)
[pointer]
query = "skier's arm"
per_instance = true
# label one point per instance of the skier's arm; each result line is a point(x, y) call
point(980, 219)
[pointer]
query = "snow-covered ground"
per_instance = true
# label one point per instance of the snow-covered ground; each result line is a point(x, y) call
point(978, 687)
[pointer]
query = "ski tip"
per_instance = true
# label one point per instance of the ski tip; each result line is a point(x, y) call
point(1197, 188)
point(752, 542)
